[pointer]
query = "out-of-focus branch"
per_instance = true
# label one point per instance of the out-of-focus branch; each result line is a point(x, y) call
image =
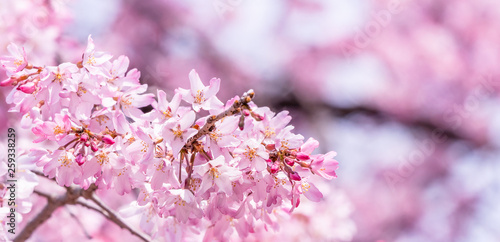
point(291, 101)
point(86, 205)
point(38, 173)
point(117, 220)
point(44, 215)
point(71, 197)
point(79, 223)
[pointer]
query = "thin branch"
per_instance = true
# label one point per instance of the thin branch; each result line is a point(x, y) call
point(210, 124)
point(52, 204)
point(86, 205)
point(117, 220)
point(43, 194)
point(79, 223)
point(39, 173)
point(44, 215)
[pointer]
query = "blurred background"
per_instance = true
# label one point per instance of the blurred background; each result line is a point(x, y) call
point(406, 92)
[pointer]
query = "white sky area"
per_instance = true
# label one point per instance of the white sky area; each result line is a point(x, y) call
point(91, 17)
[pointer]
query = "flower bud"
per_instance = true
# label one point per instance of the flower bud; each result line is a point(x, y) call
point(289, 161)
point(241, 123)
point(274, 168)
point(84, 137)
point(295, 176)
point(93, 146)
point(7, 82)
point(27, 88)
point(303, 156)
point(80, 159)
point(271, 146)
point(107, 139)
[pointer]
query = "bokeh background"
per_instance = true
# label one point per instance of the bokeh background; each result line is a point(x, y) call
point(406, 91)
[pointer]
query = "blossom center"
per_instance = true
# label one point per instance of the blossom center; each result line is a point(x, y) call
point(81, 90)
point(214, 172)
point(178, 201)
point(215, 136)
point(65, 161)
point(199, 98)
point(102, 158)
point(178, 133)
point(18, 62)
point(167, 113)
point(160, 165)
point(58, 130)
point(91, 60)
point(269, 132)
point(127, 101)
point(305, 187)
point(58, 77)
point(250, 153)
point(102, 118)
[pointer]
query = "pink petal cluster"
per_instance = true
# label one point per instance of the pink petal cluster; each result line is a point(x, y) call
point(223, 173)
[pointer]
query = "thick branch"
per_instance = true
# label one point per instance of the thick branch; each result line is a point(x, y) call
point(44, 215)
point(71, 197)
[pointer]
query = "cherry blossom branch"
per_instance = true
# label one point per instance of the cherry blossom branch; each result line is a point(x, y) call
point(42, 194)
point(79, 222)
point(107, 212)
point(53, 203)
point(86, 205)
point(190, 145)
point(89, 143)
point(70, 197)
point(44, 215)
point(210, 124)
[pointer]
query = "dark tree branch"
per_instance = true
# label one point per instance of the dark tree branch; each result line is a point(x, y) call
point(44, 215)
point(291, 101)
point(71, 197)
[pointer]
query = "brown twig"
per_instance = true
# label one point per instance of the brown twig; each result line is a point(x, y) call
point(210, 124)
point(42, 194)
point(190, 146)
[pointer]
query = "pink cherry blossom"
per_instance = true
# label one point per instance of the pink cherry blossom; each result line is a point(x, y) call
point(17, 60)
point(252, 155)
point(215, 176)
point(216, 172)
point(201, 96)
point(94, 60)
point(325, 166)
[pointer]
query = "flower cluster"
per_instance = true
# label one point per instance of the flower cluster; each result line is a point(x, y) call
point(222, 172)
